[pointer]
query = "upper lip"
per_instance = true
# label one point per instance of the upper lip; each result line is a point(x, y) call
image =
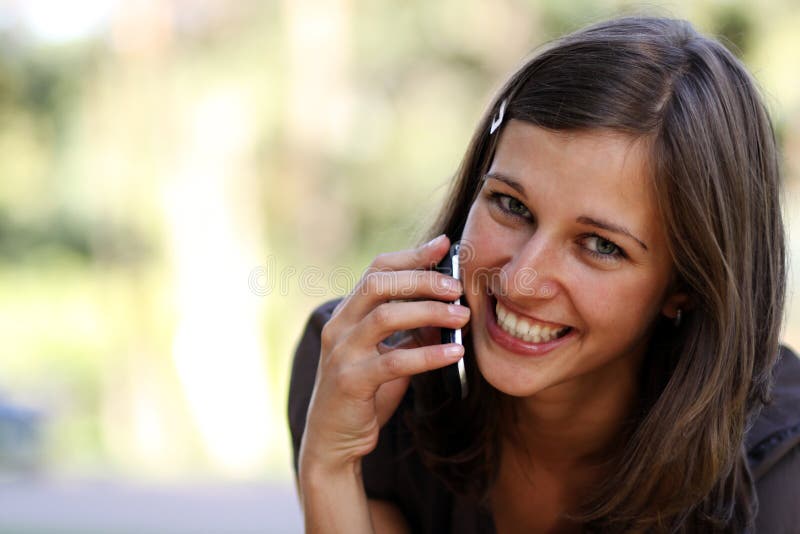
point(518, 313)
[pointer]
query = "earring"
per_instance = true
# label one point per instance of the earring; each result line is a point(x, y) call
point(678, 317)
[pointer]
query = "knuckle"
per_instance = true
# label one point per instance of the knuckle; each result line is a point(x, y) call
point(421, 277)
point(342, 378)
point(436, 309)
point(382, 315)
point(392, 364)
point(430, 354)
point(435, 282)
point(346, 379)
point(328, 336)
point(373, 282)
point(368, 280)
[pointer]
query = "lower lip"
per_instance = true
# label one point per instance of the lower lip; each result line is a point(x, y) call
point(514, 344)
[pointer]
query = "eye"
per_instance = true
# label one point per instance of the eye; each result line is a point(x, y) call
point(601, 248)
point(596, 246)
point(509, 205)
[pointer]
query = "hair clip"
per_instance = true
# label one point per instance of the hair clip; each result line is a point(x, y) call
point(497, 120)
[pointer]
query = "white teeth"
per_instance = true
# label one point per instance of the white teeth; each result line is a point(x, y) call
point(523, 329)
point(510, 322)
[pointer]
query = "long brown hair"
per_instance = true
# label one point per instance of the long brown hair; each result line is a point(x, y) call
point(716, 176)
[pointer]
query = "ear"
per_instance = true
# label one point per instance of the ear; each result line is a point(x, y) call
point(678, 300)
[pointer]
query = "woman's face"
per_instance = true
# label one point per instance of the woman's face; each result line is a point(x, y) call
point(565, 235)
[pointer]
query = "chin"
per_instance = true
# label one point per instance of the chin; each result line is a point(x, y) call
point(510, 379)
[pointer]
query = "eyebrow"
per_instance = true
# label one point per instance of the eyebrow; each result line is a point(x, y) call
point(583, 219)
point(508, 181)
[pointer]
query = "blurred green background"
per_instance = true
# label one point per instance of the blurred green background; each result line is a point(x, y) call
point(183, 181)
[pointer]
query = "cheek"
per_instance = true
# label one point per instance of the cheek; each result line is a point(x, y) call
point(487, 241)
point(617, 303)
point(485, 248)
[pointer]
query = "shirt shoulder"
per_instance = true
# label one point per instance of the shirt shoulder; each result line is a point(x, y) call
point(773, 450)
point(779, 494)
point(777, 428)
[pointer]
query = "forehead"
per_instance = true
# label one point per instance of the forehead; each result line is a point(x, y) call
point(589, 157)
point(594, 173)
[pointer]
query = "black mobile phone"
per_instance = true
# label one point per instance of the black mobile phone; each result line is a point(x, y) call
point(454, 375)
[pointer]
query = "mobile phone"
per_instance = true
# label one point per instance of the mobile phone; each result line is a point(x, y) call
point(455, 374)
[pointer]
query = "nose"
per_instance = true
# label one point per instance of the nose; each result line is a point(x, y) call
point(532, 272)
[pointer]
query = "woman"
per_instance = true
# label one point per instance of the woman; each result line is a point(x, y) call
point(623, 263)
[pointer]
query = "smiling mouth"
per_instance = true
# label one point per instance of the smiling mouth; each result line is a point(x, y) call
point(524, 328)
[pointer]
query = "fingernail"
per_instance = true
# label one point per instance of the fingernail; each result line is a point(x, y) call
point(435, 241)
point(453, 351)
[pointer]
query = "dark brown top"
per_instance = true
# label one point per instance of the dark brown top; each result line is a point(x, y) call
point(394, 472)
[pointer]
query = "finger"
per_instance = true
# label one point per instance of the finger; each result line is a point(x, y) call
point(423, 256)
point(408, 362)
point(380, 287)
point(391, 317)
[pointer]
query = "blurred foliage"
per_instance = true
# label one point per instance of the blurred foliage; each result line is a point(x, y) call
point(311, 135)
point(734, 27)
